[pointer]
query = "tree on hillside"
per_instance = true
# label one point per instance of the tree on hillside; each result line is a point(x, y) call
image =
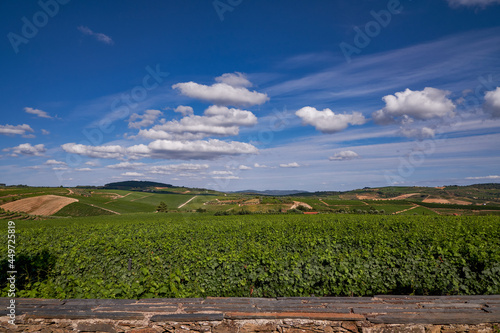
point(162, 207)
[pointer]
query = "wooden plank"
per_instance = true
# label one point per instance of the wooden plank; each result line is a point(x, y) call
point(295, 315)
point(73, 315)
point(373, 311)
point(138, 308)
point(435, 318)
point(170, 300)
point(180, 317)
point(453, 305)
point(302, 309)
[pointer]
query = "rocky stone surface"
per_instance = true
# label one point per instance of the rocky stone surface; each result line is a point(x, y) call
point(379, 314)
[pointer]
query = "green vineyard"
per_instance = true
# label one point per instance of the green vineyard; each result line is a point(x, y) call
point(148, 255)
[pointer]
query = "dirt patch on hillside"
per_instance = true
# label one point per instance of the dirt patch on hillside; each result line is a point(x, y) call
point(446, 201)
point(42, 205)
point(299, 203)
point(371, 196)
point(375, 197)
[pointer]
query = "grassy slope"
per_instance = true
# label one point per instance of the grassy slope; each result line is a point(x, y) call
point(81, 209)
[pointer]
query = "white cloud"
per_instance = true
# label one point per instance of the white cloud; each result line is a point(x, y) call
point(59, 168)
point(257, 165)
point(39, 113)
point(408, 105)
point(221, 172)
point(471, 3)
point(235, 79)
point(484, 177)
point(54, 162)
point(92, 163)
point(148, 118)
point(290, 165)
point(13, 130)
point(27, 149)
point(165, 149)
point(112, 151)
point(344, 155)
point(221, 94)
point(45, 132)
point(226, 177)
point(199, 149)
point(419, 133)
point(244, 167)
point(83, 169)
point(174, 168)
point(492, 102)
point(126, 165)
point(98, 36)
point(132, 174)
point(184, 110)
point(327, 121)
point(217, 120)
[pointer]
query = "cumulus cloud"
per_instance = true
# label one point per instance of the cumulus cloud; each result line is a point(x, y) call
point(222, 93)
point(419, 133)
point(132, 174)
point(226, 177)
point(15, 130)
point(37, 112)
point(244, 167)
point(165, 149)
point(175, 168)
point(327, 121)
point(45, 132)
point(148, 118)
point(344, 155)
point(92, 163)
point(184, 110)
point(54, 162)
point(408, 105)
point(257, 165)
point(83, 169)
point(111, 151)
point(126, 165)
point(484, 177)
point(97, 35)
point(221, 172)
point(290, 165)
point(492, 102)
point(26, 149)
point(217, 120)
point(472, 3)
point(235, 79)
point(198, 149)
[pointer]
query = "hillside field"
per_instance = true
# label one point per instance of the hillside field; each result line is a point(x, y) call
point(481, 199)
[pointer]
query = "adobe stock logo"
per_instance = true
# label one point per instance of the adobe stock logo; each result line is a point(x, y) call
point(371, 29)
point(30, 28)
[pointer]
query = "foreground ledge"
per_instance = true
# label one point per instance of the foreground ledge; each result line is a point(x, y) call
point(284, 314)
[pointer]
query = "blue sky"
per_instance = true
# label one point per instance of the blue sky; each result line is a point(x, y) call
point(237, 94)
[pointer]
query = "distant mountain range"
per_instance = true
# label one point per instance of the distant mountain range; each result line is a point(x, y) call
point(134, 185)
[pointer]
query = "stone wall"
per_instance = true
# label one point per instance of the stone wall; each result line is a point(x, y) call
point(380, 314)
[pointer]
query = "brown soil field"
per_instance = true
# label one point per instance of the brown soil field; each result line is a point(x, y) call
point(42, 205)
point(446, 201)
